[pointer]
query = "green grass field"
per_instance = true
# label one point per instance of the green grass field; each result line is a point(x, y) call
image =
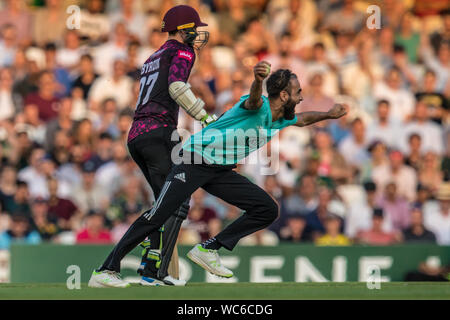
point(257, 291)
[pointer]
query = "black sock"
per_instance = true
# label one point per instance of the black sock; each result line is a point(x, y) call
point(212, 244)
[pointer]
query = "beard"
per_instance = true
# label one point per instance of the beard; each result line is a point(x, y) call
point(289, 110)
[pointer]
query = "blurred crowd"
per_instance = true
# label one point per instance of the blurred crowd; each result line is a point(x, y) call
point(378, 176)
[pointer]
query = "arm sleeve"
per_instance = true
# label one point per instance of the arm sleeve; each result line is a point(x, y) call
point(181, 66)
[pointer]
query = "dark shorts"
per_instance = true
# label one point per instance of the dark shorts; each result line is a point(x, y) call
point(152, 153)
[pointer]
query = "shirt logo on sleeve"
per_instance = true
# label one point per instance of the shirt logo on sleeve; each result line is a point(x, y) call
point(186, 55)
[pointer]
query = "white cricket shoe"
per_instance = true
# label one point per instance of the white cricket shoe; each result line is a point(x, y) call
point(209, 260)
point(167, 281)
point(107, 279)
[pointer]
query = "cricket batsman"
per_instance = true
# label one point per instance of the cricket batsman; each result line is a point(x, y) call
point(163, 88)
point(210, 156)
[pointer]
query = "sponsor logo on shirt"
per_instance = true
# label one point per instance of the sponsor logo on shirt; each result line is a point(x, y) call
point(185, 54)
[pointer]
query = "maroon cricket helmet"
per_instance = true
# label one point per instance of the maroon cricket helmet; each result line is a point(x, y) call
point(181, 17)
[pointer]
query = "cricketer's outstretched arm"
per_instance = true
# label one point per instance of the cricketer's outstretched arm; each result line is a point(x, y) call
point(310, 117)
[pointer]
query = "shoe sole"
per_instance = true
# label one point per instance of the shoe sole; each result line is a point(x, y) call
point(205, 266)
point(155, 283)
point(95, 284)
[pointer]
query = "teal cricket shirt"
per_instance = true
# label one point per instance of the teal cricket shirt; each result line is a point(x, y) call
point(236, 134)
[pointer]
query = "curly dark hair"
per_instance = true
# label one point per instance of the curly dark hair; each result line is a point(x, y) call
point(279, 81)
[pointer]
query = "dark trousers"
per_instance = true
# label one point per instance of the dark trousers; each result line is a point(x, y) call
point(152, 153)
point(221, 181)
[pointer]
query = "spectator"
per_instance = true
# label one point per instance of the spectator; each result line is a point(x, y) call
point(400, 99)
point(440, 64)
point(340, 128)
point(133, 63)
point(34, 174)
point(85, 136)
point(347, 18)
point(354, 147)
point(45, 98)
point(232, 22)
point(69, 56)
point(52, 15)
point(87, 76)
point(8, 186)
point(407, 37)
point(203, 221)
point(437, 216)
point(423, 196)
point(367, 71)
point(106, 123)
point(121, 226)
point(72, 170)
point(430, 175)
point(89, 196)
point(383, 128)
point(344, 54)
point(62, 122)
point(407, 69)
point(404, 177)
point(61, 149)
point(42, 167)
point(316, 219)
point(438, 105)
point(111, 174)
point(63, 211)
point(384, 48)
point(445, 164)
point(333, 236)
point(8, 45)
point(103, 153)
point(18, 203)
point(430, 132)
point(319, 64)
point(284, 58)
point(45, 226)
point(294, 231)
point(19, 232)
point(375, 235)
point(94, 231)
point(124, 124)
point(305, 201)
point(377, 159)
point(117, 86)
point(30, 123)
point(7, 97)
point(395, 207)
point(330, 163)
point(315, 99)
point(414, 157)
point(134, 20)
point(129, 200)
point(442, 36)
point(115, 49)
point(95, 25)
point(63, 81)
point(360, 214)
point(15, 13)
point(417, 233)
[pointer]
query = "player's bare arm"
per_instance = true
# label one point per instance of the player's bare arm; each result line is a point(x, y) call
point(310, 117)
point(261, 70)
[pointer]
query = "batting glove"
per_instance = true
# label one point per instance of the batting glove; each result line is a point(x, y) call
point(208, 119)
